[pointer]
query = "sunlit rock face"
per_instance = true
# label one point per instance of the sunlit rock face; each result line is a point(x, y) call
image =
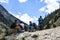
point(50, 34)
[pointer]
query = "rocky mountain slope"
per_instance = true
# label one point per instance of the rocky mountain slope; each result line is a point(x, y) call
point(57, 22)
point(6, 17)
point(50, 34)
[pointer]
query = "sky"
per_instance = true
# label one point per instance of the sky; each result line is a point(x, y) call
point(30, 10)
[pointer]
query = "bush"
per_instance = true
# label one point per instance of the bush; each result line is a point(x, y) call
point(48, 26)
point(54, 25)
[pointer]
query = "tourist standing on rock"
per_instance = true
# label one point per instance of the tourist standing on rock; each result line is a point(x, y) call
point(30, 26)
point(40, 23)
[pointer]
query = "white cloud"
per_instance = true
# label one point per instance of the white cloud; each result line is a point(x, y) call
point(42, 9)
point(41, 0)
point(4, 1)
point(23, 1)
point(35, 20)
point(50, 7)
point(50, 1)
point(26, 18)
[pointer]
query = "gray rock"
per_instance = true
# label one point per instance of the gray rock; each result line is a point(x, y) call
point(2, 31)
point(50, 34)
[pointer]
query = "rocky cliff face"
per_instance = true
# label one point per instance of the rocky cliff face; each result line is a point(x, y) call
point(50, 34)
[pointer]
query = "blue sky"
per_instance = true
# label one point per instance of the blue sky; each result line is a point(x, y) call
point(30, 10)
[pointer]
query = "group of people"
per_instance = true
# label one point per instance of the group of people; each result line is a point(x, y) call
point(33, 26)
point(17, 27)
point(21, 27)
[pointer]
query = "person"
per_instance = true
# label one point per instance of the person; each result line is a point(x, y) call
point(34, 26)
point(22, 26)
point(30, 26)
point(18, 29)
point(13, 24)
point(40, 23)
point(26, 28)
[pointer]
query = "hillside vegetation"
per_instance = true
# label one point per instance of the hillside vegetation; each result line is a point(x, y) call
point(52, 19)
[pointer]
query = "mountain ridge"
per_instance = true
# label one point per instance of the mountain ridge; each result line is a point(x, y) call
point(7, 17)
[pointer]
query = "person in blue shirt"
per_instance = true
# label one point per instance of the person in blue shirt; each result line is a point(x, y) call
point(34, 26)
point(30, 26)
point(40, 23)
